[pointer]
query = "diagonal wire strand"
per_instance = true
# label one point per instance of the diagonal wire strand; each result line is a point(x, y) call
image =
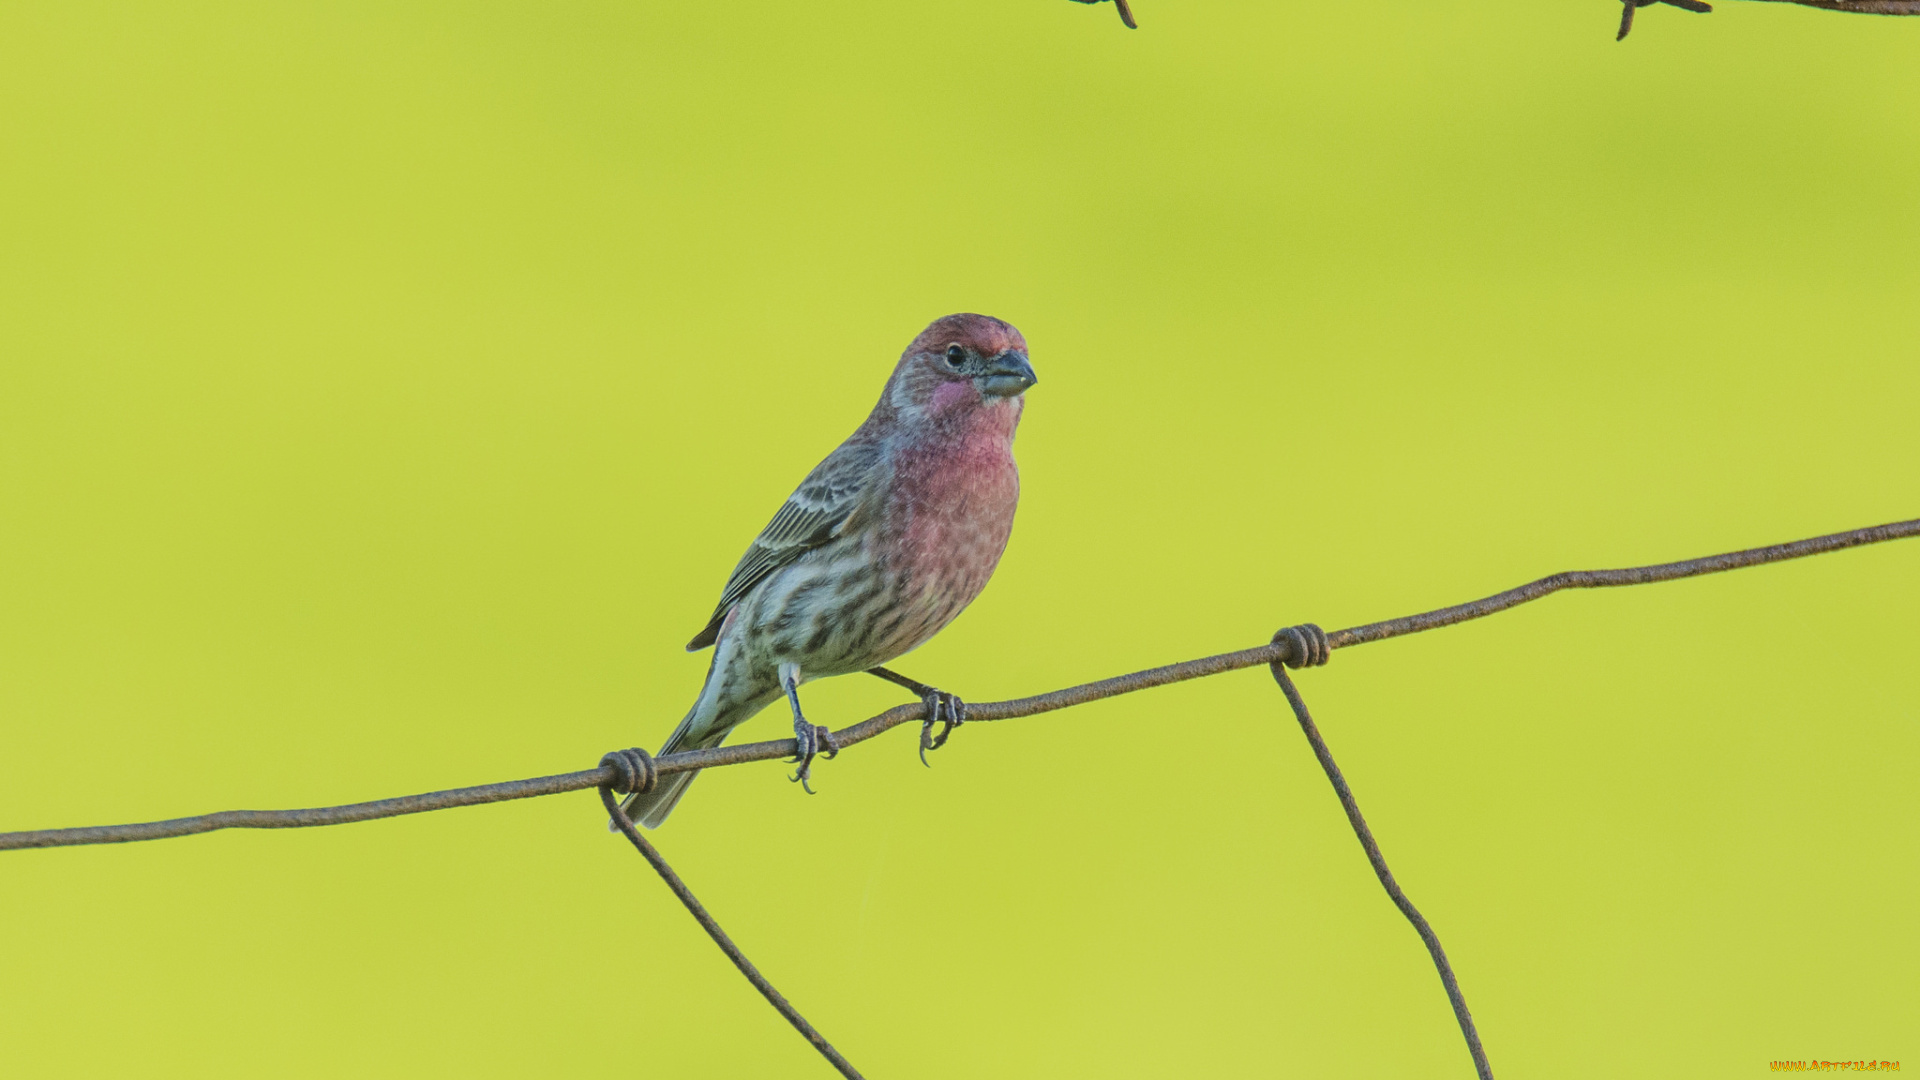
point(720, 938)
point(1385, 875)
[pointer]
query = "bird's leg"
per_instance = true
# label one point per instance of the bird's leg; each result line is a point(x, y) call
point(810, 738)
point(942, 708)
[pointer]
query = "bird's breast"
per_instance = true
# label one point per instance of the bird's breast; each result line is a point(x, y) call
point(884, 589)
point(955, 514)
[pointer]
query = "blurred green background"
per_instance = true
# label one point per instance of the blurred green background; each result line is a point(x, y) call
point(386, 390)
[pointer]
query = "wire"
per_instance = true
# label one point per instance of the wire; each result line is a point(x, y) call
point(1298, 646)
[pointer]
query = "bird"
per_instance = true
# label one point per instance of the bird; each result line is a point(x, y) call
point(888, 539)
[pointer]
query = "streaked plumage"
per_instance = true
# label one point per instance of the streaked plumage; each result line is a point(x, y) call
point(881, 546)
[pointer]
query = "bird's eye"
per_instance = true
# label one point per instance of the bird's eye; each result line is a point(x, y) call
point(956, 355)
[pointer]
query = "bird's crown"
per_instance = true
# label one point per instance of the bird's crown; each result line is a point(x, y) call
point(983, 334)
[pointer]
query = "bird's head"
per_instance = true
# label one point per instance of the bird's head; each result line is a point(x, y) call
point(962, 363)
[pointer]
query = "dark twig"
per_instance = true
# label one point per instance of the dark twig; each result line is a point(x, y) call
point(1385, 875)
point(1857, 7)
point(1126, 13)
point(1628, 7)
point(1863, 7)
point(992, 710)
point(720, 938)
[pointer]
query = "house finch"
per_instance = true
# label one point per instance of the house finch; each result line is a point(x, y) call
point(881, 546)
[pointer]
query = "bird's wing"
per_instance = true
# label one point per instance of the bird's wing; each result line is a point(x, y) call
point(825, 504)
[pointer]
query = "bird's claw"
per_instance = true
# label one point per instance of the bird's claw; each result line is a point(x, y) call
point(811, 741)
point(946, 710)
point(942, 708)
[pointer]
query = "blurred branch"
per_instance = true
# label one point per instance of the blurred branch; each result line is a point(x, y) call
point(1628, 7)
point(1862, 7)
point(1279, 651)
point(1126, 13)
point(1858, 7)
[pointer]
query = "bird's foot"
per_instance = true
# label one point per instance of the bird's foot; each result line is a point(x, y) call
point(944, 709)
point(812, 740)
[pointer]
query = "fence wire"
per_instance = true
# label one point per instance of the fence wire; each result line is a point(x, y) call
point(1305, 645)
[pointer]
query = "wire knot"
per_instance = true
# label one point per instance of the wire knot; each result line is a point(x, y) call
point(1307, 645)
point(633, 770)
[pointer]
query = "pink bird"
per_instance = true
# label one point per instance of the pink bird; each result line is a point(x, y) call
point(881, 546)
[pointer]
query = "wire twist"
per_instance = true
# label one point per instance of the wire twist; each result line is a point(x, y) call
point(633, 771)
point(1307, 645)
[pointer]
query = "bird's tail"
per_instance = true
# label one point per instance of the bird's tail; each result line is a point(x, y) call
point(713, 716)
point(652, 808)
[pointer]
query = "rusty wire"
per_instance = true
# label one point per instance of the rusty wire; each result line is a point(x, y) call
point(1372, 848)
point(1304, 645)
point(719, 936)
point(976, 711)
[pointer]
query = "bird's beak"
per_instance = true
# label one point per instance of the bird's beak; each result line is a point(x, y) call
point(1007, 374)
